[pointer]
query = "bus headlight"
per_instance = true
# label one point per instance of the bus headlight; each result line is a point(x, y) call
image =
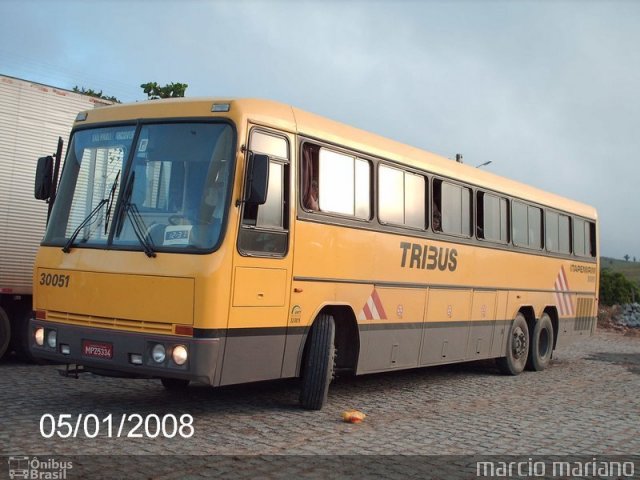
point(179, 354)
point(39, 336)
point(158, 353)
point(52, 338)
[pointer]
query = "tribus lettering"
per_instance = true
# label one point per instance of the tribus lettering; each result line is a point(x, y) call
point(428, 257)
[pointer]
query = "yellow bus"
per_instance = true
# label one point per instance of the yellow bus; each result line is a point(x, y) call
point(234, 240)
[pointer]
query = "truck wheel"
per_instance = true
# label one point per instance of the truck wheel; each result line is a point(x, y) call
point(21, 336)
point(319, 363)
point(174, 384)
point(517, 349)
point(5, 332)
point(541, 344)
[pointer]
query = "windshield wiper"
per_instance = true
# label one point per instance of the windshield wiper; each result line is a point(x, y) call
point(86, 221)
point(140, 229)
point(94, 212)
point(130, 209)
point(112, 194)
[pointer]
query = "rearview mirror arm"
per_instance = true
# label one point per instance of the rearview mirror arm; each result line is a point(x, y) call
point(56, 171)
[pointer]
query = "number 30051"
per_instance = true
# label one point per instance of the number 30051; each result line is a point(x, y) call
point(54, 280)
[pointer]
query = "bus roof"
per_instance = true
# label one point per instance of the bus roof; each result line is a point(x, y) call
point(291, 119)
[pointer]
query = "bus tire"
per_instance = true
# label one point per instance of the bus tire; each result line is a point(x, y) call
point(541, 344)
point(5, 332)
point(174, 384)
point(517, 350)
point(319, 363)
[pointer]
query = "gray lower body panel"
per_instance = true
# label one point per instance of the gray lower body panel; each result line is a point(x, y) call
point(572, 329)
point(248, 357)
point(252, 358)
point(393, 347)
point(390, 347)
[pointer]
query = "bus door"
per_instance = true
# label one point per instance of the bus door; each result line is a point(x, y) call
point(262, 266)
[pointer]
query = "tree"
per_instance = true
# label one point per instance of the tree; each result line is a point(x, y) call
point(92, 93)
point(171, 90)
point(626, 257)
point(615, 288)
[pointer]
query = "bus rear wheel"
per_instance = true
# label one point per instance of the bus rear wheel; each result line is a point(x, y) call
point(174, 384)
point(517, 350)
point(319, 363)
point(541, 344)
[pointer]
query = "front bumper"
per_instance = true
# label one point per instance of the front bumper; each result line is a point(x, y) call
point(200, 366)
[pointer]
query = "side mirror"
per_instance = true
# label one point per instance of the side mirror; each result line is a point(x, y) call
point(44, 178)
point(257, 179)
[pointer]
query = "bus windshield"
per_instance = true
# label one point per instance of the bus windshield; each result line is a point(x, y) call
point(158, 187)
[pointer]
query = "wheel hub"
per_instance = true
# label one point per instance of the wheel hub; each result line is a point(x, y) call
point(519, 343)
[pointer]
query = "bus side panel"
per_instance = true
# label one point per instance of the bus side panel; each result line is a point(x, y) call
point(585, 321)
point(582, 324)
point(257, 330)
point(565, 334)
point(447, 326)
point(498, 346)
point(252, 357)
point(392, 339)
point(294, 345)
point(307, 301)
point(483, 319)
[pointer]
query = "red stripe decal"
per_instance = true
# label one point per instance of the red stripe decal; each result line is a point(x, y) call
point(378, 304)
point(564, 277)
point(367, 312)
point(559, 301)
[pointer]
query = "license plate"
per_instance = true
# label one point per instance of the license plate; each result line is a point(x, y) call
point(97, 349)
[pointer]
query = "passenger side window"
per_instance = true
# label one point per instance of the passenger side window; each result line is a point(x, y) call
point(334, 182)
point(557, 234)
point(492, 218)
point(584, 238)
point(401, 197)
point(451, 208)
point(527, 225)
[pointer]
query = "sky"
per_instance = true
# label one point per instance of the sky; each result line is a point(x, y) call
point(548, 91)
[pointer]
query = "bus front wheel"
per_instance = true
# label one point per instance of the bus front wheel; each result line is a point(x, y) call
point(541, 344)
point(319, 363)
point(517, 350)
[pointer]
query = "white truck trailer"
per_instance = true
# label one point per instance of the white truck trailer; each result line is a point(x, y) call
point(32, 119)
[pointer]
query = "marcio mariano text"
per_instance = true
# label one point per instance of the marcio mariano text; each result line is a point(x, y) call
point(531, 468)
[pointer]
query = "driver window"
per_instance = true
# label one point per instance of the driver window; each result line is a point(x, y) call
point(264, 228)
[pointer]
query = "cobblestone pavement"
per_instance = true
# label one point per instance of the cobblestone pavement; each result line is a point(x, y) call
point(586, 403)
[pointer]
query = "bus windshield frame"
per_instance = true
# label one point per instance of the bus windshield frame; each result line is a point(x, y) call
point(155, 185)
